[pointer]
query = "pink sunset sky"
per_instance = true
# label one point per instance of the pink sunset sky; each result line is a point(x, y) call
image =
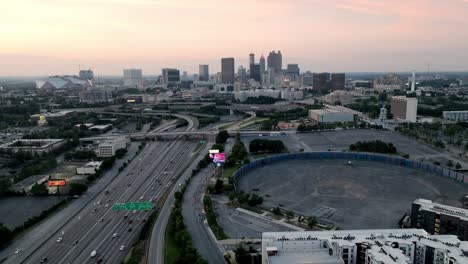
point(45, 37)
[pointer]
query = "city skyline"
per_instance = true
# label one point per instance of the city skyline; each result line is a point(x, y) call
point(54, 36)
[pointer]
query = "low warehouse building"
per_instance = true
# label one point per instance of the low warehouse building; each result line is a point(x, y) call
point(89, 168)
point(330, 116)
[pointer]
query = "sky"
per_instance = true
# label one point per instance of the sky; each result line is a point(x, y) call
point(47, 37)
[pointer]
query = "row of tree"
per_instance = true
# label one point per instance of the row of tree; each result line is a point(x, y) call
point(238, 154)
point(376, 146)
point(178, 232)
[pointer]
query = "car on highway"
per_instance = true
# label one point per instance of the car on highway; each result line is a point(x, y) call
point(101, 219)
point(115, 235)
point(59, 239)
point(93, 254)
point(130, 222)
point(107, 205)
point(44, 260)
point(134, 211)
point(141, 198)
point(130, 230)
point(94, 210)
point(75, 243)
point(126, 215)
point(98, 202)
point(121, 247)
point(99, 261)
point(106, 192)
point(18, 250)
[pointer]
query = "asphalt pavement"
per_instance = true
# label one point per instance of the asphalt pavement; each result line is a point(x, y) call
point(147, 178)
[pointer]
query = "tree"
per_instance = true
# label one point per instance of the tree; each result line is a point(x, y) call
point(276, 211)
point(382, 97)
point(77, 188)
point(458, 166)
point(312, 221)
point(219, 186)
point(218, 146)
point(266, 125)
point(39, 190)
point(289, 215)
point(222, 137)
point(255, 200)
point(120, 153)
point(450, 163)
point(243, 197)
point(232, 197)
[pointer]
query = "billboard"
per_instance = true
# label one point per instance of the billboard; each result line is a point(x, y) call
point(219, 158)
point(214, 151)
point(54, 183)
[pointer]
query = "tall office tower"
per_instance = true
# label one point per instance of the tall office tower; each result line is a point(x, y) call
point(405, 108)
point(275, 61)
point(133, 77)
point(203, 71)
point(293, 69)
point(413, 82)
point(170, 76)
point(251, 58)
point(320, 81)
point(338, 81)
point(262, 64)
point(227, 70)
point(242, 74)
point(87, 75)
point(255, 72)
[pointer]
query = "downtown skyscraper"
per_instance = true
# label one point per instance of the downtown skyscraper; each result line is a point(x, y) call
point(227, 70)
point(203, 72)
point(275, 61)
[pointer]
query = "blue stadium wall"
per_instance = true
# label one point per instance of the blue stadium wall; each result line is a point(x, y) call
point(398, 161)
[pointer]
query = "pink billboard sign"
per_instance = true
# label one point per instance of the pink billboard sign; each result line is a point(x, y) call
point(219, 158)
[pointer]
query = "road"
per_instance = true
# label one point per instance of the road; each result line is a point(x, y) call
point(195, 221)
point(156, 249)
point(35, 237)
point(147, 178)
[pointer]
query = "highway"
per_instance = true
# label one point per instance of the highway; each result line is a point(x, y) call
point(156, 248)
point(147, 178)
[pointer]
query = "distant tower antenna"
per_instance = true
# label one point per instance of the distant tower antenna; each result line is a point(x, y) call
point(413, 82)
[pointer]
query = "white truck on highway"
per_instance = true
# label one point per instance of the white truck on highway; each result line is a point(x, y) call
point(93, 254)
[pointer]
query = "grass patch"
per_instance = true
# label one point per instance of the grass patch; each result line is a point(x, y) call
point(227, 172)
point(171, 250)
point(227, 126)
point(212, 221)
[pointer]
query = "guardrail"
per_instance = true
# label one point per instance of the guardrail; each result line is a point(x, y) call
point(395, 160)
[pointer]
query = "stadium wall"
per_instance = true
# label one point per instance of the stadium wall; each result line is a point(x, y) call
point(413, 164)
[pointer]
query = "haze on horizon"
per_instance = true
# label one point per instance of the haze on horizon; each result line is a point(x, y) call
point(53, 36)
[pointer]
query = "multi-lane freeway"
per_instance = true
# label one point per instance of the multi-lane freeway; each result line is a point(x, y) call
point(90, 224)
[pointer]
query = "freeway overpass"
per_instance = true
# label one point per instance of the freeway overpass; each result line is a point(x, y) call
point(206, 134)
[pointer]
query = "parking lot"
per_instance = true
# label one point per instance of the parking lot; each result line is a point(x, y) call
point(237, 224)
point(340, 140)
point(364, 195)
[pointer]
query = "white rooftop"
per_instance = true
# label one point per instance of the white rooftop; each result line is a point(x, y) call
point(428, 205)
point(305, 246)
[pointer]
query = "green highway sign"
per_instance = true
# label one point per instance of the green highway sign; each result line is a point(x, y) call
point(132, 206)
point(202, 141)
